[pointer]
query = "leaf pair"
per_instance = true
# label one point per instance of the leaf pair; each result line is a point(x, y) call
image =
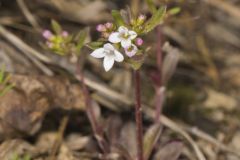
point(158, 15)
point(156, 19)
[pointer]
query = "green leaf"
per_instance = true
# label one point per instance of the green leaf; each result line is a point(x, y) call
point(56, 27)
point(174, 11)
point(81, 39)
point(95, 45)
point(17, 157)
point(2, 73)
point(118, 18)
point(155, 20)
point(151, 6)
point(5, 80)
point(6, 89)
point(4, 86)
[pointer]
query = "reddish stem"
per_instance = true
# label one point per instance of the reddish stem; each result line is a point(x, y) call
point(90, 112)
point(138, 115)
point(159, 94)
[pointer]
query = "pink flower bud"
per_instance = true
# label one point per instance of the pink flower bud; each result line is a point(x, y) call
point(142, 17)
point(109, 25)
point(47, 34)
point(139, 41)
point(65, 34)
point(101, 28)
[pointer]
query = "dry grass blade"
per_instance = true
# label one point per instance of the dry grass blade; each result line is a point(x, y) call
point(167, 122)
point(102, 88)
point(21, 45)
point(225, 6)
point(175, 127)
point(28, 15)
point(35, 56)
point(59, 139)
point(197, 132)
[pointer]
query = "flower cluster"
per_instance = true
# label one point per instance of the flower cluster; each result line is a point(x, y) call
point(56, 42)
point(120, 38)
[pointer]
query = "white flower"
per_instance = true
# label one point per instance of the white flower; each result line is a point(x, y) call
point(131, 50)
point(124, 36)
point(110, 54)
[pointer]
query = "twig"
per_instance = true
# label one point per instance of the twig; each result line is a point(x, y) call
point(90, 112)
point(59, 138)
point(28, 15)
point(138, 115)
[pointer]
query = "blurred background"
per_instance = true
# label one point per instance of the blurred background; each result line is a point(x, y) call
point(201, 108)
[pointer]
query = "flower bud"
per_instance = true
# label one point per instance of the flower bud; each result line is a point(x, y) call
point(141, 19)
point(47, 34)
point(139, 41)
point(109, 25)
point(101, 28)
point(64, 34)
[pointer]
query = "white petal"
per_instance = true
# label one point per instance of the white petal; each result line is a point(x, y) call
point(132, 34)
point(108, 62)
point(129, 53)
point(122, 29)
point(109, 47)
point(126, 43)
point(114, 37)
point(98, 53)
point(135, 48)
point(118, 56)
